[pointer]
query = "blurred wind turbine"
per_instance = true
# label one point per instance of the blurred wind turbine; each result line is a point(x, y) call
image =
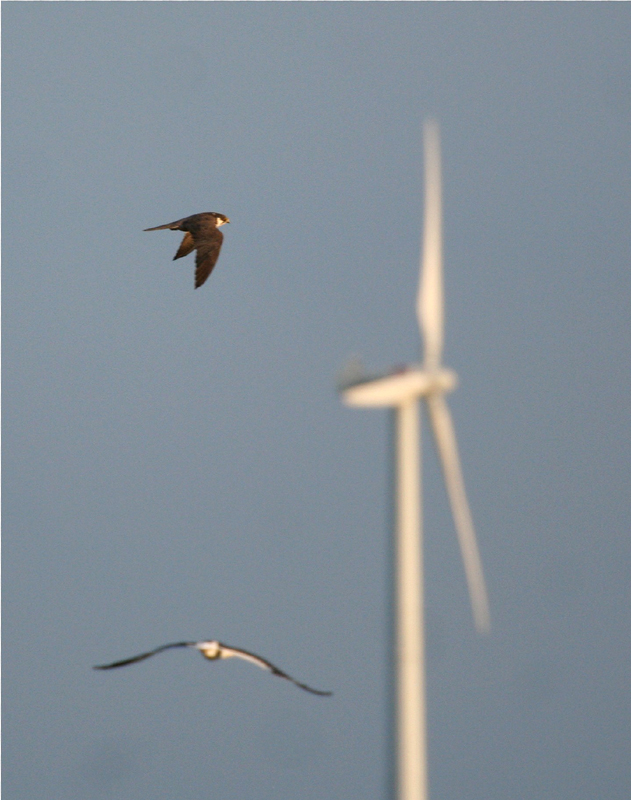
point(401, 391)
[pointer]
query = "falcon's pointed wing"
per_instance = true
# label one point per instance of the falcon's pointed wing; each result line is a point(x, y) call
point(230, 652)
point(208, 249)
point(187, 246)
point(142, 656)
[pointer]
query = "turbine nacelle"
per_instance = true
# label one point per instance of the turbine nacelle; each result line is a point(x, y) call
point(398, 388)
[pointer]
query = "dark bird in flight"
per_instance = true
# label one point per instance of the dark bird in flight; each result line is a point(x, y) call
point(213, 651)
point(202, 234)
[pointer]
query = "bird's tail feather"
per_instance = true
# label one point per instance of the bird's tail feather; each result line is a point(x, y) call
point(173, 226)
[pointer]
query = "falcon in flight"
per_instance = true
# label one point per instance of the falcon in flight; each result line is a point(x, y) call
point(213, 651)
point(202, 234)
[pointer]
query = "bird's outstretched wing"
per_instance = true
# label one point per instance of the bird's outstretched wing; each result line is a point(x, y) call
point(142, 656)
point(187, 246)
point(208, 249)
point(230, 652)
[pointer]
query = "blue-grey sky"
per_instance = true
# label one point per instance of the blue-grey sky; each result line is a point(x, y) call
point(177, 463)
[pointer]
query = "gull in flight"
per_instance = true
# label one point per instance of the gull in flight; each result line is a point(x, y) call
point(202, 234)
point(213, 650)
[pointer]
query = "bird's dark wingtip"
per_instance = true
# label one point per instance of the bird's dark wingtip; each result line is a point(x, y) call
point(318, 692)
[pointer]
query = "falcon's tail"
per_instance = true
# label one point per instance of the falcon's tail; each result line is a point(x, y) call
point(173, 226)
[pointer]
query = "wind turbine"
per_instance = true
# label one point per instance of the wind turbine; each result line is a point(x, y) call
point(401, 390)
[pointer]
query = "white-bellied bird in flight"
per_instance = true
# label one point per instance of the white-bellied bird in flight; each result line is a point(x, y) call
point(202, 234)
point(213, 650)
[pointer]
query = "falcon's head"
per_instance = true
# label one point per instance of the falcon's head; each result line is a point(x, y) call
point(220, 218)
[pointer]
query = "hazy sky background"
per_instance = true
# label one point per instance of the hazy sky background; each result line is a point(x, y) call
point(177, 463)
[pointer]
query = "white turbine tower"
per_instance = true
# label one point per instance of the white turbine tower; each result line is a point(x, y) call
point(401, 391)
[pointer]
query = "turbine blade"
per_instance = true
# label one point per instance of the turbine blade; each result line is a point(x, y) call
point(429, 302)
point(447, 447)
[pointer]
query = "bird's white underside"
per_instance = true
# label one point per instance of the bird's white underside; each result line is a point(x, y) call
point(213, 650)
